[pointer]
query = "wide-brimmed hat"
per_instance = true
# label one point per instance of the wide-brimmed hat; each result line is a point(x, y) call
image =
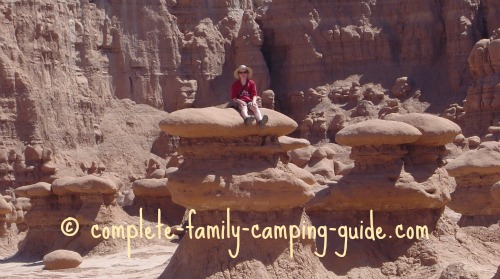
point(243, 67)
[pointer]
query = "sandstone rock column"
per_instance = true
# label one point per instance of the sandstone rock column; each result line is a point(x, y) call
point(396, 181)
point(227, 165)
point(482, 104)
point(6, 209)
point(152, 194)
point(380, 180)
point(90, 199)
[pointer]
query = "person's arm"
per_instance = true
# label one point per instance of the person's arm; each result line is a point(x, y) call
point(253, 92)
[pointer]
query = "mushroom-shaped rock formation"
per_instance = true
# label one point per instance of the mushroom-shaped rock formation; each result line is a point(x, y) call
point(493, 133)
point(92, 191)
point(234, 175)
point(380, 180)
point(153, 194)
point(385, 187)
point(476, 171)
point(89, 199)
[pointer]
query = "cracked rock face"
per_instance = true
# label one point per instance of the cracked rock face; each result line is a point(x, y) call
point(482, 103)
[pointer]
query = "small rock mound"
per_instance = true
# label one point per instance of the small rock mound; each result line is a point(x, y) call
point(62, 259)
point(458, 271)
point(477, 173)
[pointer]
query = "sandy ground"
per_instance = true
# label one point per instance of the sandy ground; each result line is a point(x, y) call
point(147, 262)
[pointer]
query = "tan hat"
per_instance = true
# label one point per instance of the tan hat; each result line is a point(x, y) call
point(243, 67)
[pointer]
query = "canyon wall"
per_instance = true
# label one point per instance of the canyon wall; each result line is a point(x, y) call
point(64, 65)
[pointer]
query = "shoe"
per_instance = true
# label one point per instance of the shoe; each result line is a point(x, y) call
point(263, 122)
point(248, 121)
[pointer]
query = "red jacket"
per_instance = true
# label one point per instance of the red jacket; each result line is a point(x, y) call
point(247, 94)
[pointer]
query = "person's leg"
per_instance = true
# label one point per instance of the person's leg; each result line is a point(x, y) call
point(244, 111)
point(256, 112)
point(261, 119)
point(246, 118)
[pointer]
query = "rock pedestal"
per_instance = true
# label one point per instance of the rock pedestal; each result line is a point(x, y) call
point(242, 171)
point(89, 199)
point(396, 181)
point(152, 194)
point(396, 166)
point(7, 216)
point(477, 173)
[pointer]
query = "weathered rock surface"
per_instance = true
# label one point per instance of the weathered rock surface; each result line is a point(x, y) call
point(219, 122)
point(255, 191)
point(89, 199)
point(476, 171)
point(62, 259)
point(495, 191)
point(377, 132)
point(151, 195)
point(482, 104)
point(458, 271)
point(436, 131)
point(393, 168)
point(194, 58)
point(85, 184)
point(74, 87)
point(39, 189)
point(485, 160)
point(244, 172)
point(151, 187)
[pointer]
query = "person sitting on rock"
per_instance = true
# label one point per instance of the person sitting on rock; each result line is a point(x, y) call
point(244, 94)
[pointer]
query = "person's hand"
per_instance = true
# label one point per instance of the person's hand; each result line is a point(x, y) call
point(254, 103)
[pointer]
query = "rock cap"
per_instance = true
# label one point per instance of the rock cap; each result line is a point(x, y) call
point(484, 160)
point(435, 130)
point(151, 187)
point(84, 184)
point(377, 132)
point(223, 122)
point(40, 189)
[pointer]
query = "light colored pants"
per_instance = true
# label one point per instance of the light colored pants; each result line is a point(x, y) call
point(255, 109)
